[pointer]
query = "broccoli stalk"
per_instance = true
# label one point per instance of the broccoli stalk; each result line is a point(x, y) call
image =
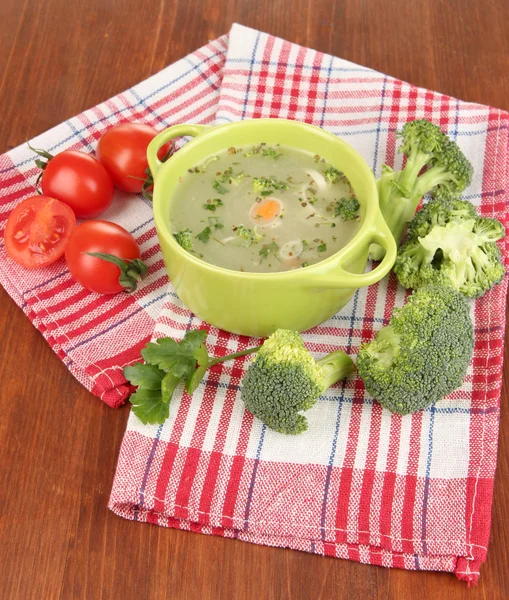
point(448, 173)
point(335, 366)
point(449, 244)
point(284, 379)
point(423, 354)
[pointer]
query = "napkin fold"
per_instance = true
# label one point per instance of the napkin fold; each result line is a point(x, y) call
point(361, 483)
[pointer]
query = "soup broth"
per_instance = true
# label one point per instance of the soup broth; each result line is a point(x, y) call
point(266, 208)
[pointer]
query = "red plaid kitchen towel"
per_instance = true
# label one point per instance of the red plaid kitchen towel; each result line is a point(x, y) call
point(412, 492)
point(361, 483)
point(94, 335)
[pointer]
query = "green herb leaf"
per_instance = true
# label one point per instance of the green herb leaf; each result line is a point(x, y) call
point(143, 375)
point(176, 358)
point(220, 189)
point(271, 153)
point(149, 406)
point(131, 271)
point(213, 204)
point(201, 355)
point(224, 177)
point(204, 236)
point(194, 381)
point(215, 223)
point(168, 385)
point(202, 358)
point(322, 247)
point(167, 363)
point(268, 249)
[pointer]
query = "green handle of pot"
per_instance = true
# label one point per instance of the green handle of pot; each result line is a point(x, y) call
point(166, 136)
point(379, 234)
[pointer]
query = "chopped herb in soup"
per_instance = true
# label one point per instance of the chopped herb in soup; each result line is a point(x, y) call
point(264, 208)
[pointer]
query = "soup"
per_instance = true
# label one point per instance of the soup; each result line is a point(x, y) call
point(263, 209)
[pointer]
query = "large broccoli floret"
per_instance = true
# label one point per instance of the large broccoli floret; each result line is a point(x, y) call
point(449, 243)
point(448, 172)
point(423, 354)
point(284, 379)
point(184, 239)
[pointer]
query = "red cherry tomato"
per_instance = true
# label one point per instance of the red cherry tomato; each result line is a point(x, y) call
point(80, 181)
point(123, 151)
point(37, 231)
point(92, 272)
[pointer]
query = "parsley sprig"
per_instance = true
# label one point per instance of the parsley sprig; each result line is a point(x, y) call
point(167, 364)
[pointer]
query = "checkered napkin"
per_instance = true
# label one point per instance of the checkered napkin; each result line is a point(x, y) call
point(96, 335)
point(361, 483)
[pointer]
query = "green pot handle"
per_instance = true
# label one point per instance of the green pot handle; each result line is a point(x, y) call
point(341, 278)
point(165, 136)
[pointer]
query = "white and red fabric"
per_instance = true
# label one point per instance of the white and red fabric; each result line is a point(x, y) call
point(361, 483)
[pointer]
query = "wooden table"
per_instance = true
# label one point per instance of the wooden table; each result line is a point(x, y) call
point(58, 443)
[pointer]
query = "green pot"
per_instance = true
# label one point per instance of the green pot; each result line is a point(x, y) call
point(257, 304)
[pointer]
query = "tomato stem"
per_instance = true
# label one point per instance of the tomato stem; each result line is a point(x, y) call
point(131, 270)
point(40, 163)
point(148, 182)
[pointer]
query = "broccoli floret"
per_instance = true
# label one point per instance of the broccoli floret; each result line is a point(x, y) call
point(284, 379)
point(423, 354)
point(184, 239)
point(247, 236)
point(333, 175)
point(448, 243)
point(439, 212)
point(266, 185)
point(448, 172)
point(347, 209)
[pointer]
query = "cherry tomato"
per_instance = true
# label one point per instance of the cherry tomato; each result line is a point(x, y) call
point(37, 231)
point(123, 151)
point(92, 272)
point(80, 181)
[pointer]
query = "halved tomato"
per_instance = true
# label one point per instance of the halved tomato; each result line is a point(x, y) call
point(37, 230)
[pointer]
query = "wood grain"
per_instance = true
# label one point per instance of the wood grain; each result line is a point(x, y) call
point(58, 443)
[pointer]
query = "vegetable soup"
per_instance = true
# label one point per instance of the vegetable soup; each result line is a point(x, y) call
point(264, 209)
